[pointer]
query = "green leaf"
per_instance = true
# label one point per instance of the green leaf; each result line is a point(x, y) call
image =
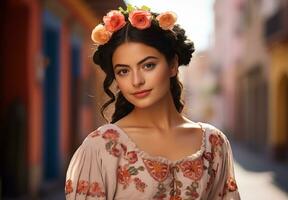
point(141, 168)
point(132, 170)
point(146, 8)
point(121, 9)
point(130, 8)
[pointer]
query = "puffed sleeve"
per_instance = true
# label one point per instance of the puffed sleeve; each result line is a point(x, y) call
point(84, 178)
point(225, 183)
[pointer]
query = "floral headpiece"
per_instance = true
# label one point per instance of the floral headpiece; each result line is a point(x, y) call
point(139, 18)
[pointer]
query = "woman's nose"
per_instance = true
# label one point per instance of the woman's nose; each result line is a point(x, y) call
point(137, 79)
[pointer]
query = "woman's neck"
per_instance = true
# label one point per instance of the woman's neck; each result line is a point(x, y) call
point(161, 115)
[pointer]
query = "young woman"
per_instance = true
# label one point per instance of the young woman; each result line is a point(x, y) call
point(149, 150)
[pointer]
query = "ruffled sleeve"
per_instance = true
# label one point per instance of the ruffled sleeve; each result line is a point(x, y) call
point(84, 177)
point(225, 187)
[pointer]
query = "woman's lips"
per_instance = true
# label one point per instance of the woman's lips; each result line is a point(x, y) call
point(142, 94)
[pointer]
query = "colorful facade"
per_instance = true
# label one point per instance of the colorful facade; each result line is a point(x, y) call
point(277, 41)
point(47, 80)
point(251, 53)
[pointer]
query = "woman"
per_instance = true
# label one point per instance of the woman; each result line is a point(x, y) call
point(149, 150)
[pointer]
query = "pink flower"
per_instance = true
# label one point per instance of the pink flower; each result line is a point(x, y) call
point(132, 157)
point(167, 20)
point(100, 35)
point(140, 19)
point(114, 20)
point(110, 134)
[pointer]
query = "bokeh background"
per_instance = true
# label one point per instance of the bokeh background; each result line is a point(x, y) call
point(51, 92)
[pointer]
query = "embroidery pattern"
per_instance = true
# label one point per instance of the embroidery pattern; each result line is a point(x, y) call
point(124, 173)
point(159, 171)
point(175, 185)
point(84, 188)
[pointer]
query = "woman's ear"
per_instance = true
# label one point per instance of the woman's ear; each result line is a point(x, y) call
point(174, 66)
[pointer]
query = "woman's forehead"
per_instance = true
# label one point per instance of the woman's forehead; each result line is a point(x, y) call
point(133, 52)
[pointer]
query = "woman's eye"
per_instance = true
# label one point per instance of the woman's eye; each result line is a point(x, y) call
point(122, 72)
point(149, 65)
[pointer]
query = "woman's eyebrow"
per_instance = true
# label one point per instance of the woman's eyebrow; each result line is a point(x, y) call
point(139, 63)
point(143, 60)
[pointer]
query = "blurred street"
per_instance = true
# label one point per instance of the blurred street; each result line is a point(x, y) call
point(259, 178)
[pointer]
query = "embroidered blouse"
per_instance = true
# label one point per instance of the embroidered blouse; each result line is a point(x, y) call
point(109, 165)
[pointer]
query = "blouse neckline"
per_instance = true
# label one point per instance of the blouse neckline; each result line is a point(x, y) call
point(164, 159)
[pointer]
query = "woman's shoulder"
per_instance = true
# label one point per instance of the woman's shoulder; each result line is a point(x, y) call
point(97, 137)
point(213, 132)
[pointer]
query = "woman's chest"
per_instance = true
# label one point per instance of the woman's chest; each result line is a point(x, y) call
point(155, 179)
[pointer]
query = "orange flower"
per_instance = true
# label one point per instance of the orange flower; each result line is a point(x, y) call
point(124, 177)
point(114, 20)
point(193, 169)
point(231, 184)
point(100, 35)
point(68, 186)
point(95, 190)
point(159, 171)
point(140, 19)
point(82, 187)
point(167, 20)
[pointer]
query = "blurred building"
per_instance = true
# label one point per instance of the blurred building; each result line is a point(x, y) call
point(276, 32)
point(50, 89)
point(201, 90)
point(250, 52)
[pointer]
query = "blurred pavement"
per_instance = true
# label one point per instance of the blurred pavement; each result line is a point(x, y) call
point(258, 177)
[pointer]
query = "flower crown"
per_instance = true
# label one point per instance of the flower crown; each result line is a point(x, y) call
point(139, 18)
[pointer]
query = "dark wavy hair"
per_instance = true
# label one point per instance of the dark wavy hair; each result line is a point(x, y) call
point(169, 43)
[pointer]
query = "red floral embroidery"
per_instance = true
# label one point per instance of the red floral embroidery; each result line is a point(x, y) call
point(192, 169)
point(140, 185)
point(110, 134)
point(68, 186)
point(194, 195)
point(191, 191)
point(95, 133)
point(82, 187)
point(132, 157)
point(95, 190)
point(159, 171)
point(208, 156)
point(215, 140)
point(123, 175)
point(231, 184)
point(161, 193)
point(175, 198)
point(115, 151)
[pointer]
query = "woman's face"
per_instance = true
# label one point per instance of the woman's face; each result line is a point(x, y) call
point(141, 68)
